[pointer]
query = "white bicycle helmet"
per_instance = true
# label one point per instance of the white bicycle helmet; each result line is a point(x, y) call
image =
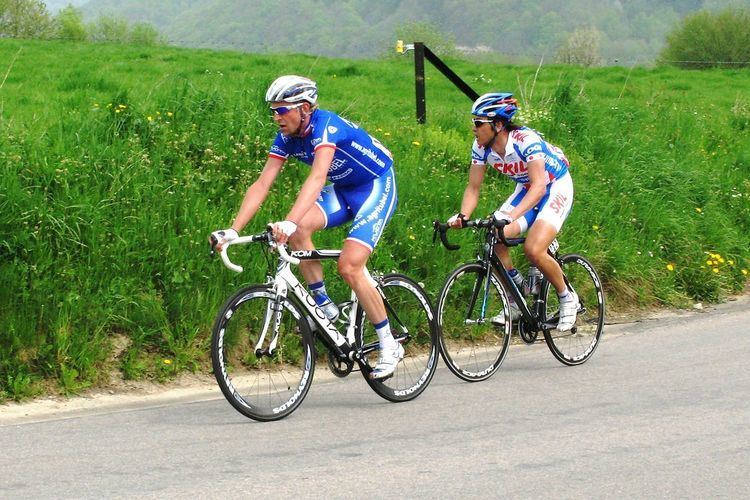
point(292, 88)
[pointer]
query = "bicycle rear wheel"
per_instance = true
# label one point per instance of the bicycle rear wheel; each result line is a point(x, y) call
point(413, 324)
point(473, 347)
point(264, 377)
point(577, 345)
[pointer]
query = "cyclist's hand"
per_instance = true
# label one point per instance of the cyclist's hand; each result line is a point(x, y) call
point(220, 238)
point(499, 215)
point(283, 230)
point(457, 220)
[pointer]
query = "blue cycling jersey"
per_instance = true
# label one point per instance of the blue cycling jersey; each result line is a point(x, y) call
point(524, 145)
point(359, 157)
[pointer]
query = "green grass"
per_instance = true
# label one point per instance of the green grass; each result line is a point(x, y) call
point(118, 161)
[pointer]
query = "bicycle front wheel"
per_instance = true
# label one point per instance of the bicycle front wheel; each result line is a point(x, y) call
point(473, 344)
point(262, 353)
point(413, 324)
point(577, 345)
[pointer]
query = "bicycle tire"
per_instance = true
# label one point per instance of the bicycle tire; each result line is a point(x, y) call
point(472, 351)
point(262, 388)
point(412, 322)
point(576, 346)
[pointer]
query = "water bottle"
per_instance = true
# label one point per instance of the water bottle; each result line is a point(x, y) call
point(535, 276)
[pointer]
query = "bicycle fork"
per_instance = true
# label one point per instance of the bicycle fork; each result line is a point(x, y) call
point(272, 319)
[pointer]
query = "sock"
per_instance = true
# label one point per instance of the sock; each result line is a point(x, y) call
point(566, 297)
point(319, 292)
point(383, 329)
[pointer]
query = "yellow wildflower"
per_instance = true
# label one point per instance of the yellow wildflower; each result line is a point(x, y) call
point(416, 143)
point(698, 209)
point(715, 269)
point(744, 271)
point(595, 227)
point(670, 267)
point(167, 361)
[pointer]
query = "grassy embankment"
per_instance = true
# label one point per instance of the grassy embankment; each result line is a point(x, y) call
point(118, 161)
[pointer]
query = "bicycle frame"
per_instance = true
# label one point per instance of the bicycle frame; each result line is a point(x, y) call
point(285, 281)
point(534, 318)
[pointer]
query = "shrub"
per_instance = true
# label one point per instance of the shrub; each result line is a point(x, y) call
point(442, 44)
point(581, 48)
point(70, 24)
point(24, 19)
point(145, 34)
point(108, 29)
point(707, 39)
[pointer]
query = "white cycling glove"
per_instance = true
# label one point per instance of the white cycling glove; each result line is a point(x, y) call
point(287, 227)
point(499, 215)
point(224, 236)
point(456, 217)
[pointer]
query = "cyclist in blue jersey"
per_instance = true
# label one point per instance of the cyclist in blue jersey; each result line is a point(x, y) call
point(541, 201)
point(362, 189)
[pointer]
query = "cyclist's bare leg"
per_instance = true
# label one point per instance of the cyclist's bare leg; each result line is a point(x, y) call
point(312, 270)
point(538, 239)
point(351, 266)
point(512, 230)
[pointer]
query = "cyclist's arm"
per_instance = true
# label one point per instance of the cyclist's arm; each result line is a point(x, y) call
point(257, 192)
point(313, 184)
point(471, 193)
point(538, 180)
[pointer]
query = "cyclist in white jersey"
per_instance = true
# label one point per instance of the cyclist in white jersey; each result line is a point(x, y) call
point(541, 201)
point(362, 189)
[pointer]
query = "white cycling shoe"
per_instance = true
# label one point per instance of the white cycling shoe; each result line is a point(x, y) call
point(515, 315)
point(388, 359)
point(568, 313)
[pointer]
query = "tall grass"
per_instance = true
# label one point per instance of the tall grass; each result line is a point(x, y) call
point(118, 161)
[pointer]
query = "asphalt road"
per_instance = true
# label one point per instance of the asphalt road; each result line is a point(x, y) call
point(661, 410)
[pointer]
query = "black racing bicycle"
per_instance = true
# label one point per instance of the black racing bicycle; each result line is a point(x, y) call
point(263, 341)
point(474, 313)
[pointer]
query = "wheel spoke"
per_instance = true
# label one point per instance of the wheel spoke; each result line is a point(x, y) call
point(576, 346)
point(473, 347)
point(270, 386)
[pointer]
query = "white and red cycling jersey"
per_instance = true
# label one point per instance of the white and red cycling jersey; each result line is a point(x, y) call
point(524, 145)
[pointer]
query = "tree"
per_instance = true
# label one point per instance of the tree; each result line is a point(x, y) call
point(581, 47)
point(70, 24)
point(710, 39)
point(24, 19)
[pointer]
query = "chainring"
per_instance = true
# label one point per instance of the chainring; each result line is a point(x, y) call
point(339, 367)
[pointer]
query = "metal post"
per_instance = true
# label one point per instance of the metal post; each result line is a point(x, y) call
point(453, 77)
point(419, 81)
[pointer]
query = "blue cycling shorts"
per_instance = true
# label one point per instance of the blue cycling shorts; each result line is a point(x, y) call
point(369, 205)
